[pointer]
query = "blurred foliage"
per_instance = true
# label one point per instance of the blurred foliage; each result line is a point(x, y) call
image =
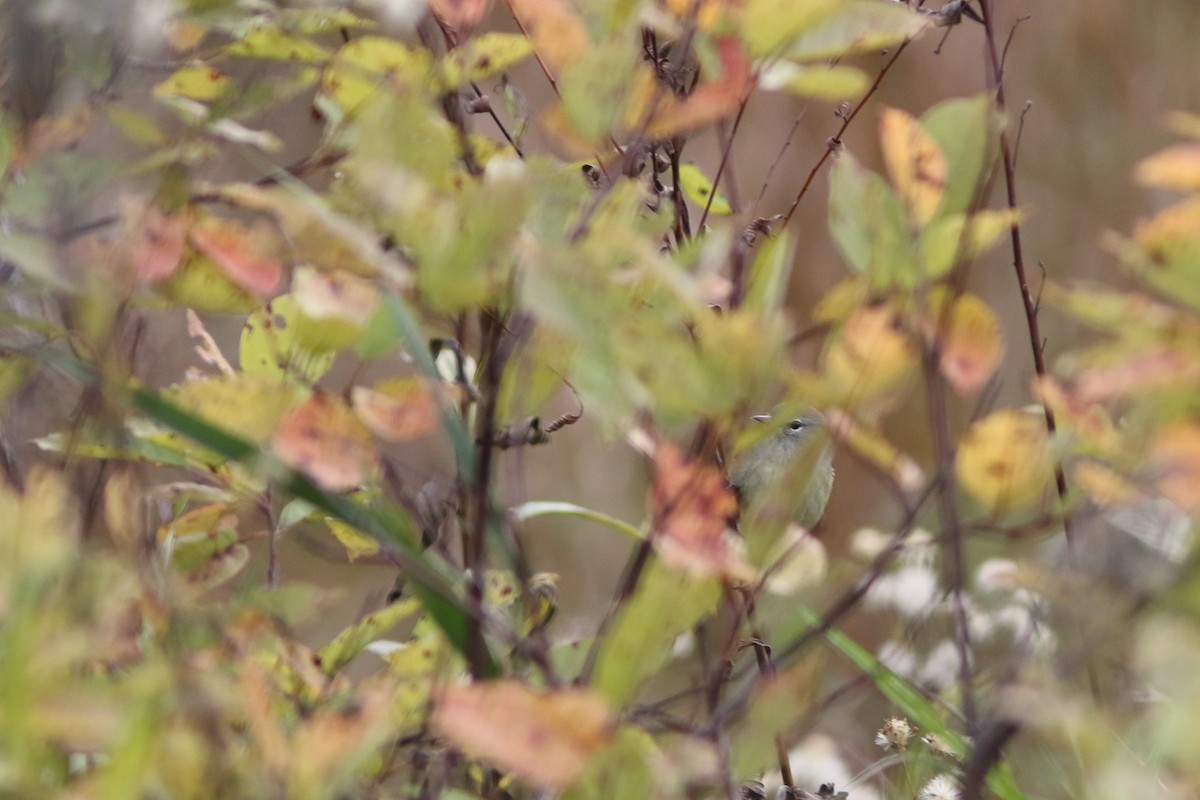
point(424, 238)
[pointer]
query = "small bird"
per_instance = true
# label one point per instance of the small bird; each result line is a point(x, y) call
point(800, 450)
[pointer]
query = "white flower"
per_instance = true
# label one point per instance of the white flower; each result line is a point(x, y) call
point(912, 590)
point(941, 666)
point(895, 734)
point(942, 787)
point(867, 543)
point(997, 574)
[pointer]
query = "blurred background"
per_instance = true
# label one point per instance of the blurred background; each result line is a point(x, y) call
point(1088, 83)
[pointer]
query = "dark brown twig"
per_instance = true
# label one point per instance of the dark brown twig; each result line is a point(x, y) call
point(835, 141)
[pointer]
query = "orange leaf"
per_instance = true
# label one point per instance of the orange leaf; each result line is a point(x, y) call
point(558, 35)
point(334, 295)
point(693, 506)
point(1134, 374)
point(915, 162)
point(1175, 458)
point(324, 439)
point(546, 739)
point(1177, 167)
point(154, 241)
point(248, 255)
point(710, 101)
point(397, 409)
point(461, 15)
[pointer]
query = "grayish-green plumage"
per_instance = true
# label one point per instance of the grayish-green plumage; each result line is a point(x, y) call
point(799, 451)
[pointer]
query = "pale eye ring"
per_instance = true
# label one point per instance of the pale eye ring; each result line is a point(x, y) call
point(796, 424)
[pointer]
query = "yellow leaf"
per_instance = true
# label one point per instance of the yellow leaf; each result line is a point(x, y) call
point(365, 64)
point(545, 738)
point(971, 346)
point(195, 82)
point(869, 356)
point(270, 42)
point(915, 162)
point(357, 543)
point(273, 345)
point(699, 189)
point(483, 56)
point(247, 406)
point(1005, 461)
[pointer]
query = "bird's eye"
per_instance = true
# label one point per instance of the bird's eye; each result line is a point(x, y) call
point(796, 424)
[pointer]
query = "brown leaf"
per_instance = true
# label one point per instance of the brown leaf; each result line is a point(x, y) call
point(693, 506)
point(396, 409)
point(544, 738)
point(248, 255)
point(325, 440)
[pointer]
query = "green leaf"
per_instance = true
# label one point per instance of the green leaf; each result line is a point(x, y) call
point(5, 144)
point(627, 767)
point(136, 126)
point(351, 641)
point(596, 87)
point(544, 508)
point(966, 130)
point(37, 258)
point(766, 286)
point(666, 604)
point(483, 56)
point(857, 26)
point(699, 189)
point(822, 29)
point(869, 225)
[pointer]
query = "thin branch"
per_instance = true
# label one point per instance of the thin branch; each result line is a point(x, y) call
point(726, 147)
point(1027, 298)
point(835, 141)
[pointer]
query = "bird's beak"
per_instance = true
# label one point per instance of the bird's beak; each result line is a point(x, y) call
point(762, 418)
